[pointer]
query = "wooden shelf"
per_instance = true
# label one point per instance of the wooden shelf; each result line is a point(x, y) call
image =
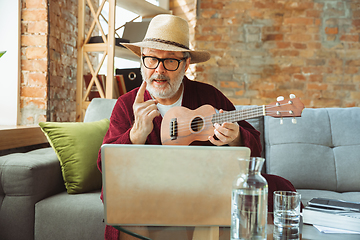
point(120, 52)
point(140, 7)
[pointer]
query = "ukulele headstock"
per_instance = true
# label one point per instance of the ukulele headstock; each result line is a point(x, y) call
point(292, 107)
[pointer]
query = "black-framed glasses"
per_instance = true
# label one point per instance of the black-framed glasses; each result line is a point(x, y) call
point(170, 64)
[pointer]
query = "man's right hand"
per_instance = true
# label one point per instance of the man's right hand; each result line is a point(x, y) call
point(144, 113)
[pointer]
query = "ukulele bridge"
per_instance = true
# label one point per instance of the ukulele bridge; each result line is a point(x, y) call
point(173, 129)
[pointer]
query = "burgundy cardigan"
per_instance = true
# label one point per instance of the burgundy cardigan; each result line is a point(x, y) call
point(195, 95)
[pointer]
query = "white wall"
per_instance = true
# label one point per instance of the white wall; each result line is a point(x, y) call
point(9, 63)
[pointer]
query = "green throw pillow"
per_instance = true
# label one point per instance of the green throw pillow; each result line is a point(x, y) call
point(77, 146)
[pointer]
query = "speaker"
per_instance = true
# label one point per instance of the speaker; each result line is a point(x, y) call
point(132, 77)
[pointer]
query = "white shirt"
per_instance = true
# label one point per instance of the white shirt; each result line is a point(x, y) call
point(164, 108)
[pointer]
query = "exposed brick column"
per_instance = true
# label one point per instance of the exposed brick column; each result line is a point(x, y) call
point(34, 62)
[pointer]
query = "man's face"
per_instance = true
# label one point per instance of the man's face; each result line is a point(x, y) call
point(162, 83)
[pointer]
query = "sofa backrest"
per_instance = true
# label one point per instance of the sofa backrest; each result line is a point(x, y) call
point(321, 151)
point(99, 108)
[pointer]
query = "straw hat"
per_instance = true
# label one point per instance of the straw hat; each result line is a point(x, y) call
point(169, 33)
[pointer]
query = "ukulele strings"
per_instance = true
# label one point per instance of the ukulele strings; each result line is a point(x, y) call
point(230, 116)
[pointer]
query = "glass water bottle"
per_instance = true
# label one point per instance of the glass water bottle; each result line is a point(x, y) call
point(249, 201)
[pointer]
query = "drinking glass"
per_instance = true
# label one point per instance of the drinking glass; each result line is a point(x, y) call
point(287, 209)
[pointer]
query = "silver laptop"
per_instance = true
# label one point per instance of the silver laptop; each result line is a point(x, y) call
point(157, 185)
point(135, 31)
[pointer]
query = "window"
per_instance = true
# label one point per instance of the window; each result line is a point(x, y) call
point(9, 62)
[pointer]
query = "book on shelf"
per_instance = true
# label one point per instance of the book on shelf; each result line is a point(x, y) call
point(333, 213)
point(118, 86)
point(116, 93)
point(121, 84)
point(94, 92)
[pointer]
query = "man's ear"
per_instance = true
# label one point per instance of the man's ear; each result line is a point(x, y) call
point(187, 64)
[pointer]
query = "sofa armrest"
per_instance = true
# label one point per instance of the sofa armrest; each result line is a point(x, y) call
point(26, 178)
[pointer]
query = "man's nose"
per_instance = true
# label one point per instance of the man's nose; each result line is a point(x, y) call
point(160, 68)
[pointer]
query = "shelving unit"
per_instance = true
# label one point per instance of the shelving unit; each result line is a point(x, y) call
point(107, 48)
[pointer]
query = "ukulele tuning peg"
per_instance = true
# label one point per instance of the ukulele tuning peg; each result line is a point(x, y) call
point(292, 96)
point(280, 98)
point(294, 121)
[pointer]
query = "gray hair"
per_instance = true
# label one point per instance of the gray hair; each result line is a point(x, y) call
point(187, 55)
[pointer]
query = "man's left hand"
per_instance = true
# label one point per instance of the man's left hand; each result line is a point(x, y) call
point(227, 133)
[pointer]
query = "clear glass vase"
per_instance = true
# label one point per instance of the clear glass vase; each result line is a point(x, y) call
point(249, 201)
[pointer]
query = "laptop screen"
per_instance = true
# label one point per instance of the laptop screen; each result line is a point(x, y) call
point(157, 185)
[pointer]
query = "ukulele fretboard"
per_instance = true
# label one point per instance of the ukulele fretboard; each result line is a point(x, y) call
point(238, 115)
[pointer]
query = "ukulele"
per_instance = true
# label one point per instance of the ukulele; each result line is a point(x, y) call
point(182, 126)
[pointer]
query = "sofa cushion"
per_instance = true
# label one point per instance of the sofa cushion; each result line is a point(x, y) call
point(26, 178)
point(320, 152)
point(77, 146)
point(70, 216)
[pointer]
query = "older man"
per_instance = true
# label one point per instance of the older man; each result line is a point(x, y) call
point(165, 57)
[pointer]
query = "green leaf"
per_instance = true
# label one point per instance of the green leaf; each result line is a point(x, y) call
point(2, 53)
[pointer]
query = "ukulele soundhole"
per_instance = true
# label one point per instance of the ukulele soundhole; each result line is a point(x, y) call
point(197, 124)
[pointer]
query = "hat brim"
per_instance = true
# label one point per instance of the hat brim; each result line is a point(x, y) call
point(196, 56)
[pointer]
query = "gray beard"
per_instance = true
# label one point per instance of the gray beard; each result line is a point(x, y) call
point(168, 91)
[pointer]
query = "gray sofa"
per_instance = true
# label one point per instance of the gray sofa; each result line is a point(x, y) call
point(320, 155)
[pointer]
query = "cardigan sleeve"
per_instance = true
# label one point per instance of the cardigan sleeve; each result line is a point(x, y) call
point(250, 138)
point(121, 121)
point(249, 135)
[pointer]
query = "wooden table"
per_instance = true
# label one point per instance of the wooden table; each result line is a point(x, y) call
point(304, 232)
point(20, 136)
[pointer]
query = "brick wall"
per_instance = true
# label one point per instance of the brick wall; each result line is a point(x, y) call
point(63, 60)
point(49, 60)
point(263, 49)
point(260, 49)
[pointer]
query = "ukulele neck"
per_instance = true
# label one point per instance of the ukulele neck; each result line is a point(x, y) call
point(238, 115)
